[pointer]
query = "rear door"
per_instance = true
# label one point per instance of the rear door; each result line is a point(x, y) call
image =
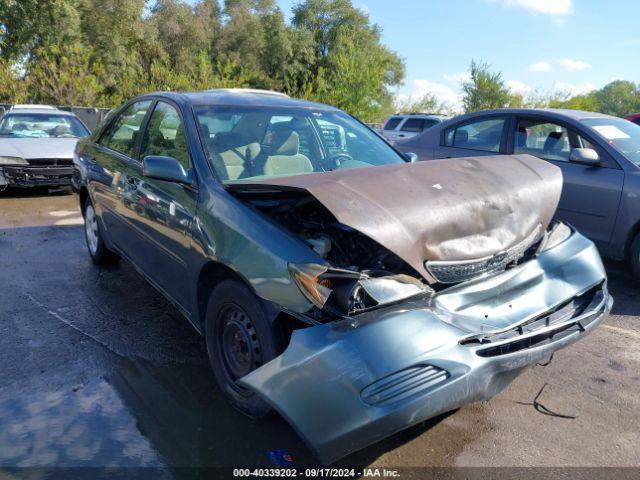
point(476, 137)
point(110, 159)
point(590, 195)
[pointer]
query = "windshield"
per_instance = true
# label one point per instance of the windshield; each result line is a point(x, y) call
point(39, 125)
point(257, 143)
point(621, 134)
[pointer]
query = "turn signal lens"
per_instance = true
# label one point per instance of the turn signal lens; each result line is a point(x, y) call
point(306, 277)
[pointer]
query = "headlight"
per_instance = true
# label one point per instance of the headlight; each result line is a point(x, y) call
point(346, 292)
point(13, 161)
point(554, 237)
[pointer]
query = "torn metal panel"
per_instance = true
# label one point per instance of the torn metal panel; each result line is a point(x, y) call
point(440, 210)
point(347, 384)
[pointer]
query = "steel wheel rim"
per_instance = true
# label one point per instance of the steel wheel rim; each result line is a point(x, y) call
point(238, 342)
point(91, 229)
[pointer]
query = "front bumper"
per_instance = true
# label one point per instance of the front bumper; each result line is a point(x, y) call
point(348, 384)
point(30, 176)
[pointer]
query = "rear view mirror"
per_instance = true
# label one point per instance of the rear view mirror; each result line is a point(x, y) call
point(585, 156)
point(165, 168)
point(412, 157)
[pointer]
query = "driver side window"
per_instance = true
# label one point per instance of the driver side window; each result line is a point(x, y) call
point(165, 135)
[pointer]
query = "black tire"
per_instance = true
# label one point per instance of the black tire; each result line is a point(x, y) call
point(100, 254)
point(634, 257)
point(239, 339)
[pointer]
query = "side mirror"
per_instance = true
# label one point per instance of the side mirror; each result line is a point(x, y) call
point(412, 157)
point(165, 168)
point(585, 156)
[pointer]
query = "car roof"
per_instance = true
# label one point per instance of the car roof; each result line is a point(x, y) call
point(241, 96)
point(437, 116)
point(28, 106)
point(552, 112)
point(37, 109)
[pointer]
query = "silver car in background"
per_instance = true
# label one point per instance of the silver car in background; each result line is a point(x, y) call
point(36, 146)
point(408, 125)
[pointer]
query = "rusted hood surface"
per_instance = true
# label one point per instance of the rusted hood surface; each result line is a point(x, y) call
point(446, 210)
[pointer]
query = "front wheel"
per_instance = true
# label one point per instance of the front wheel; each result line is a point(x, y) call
point(100, 254)
point(239, 340)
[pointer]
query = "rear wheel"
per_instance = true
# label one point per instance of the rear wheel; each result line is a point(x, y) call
point(239, 340)
point(634, 256)
point(100, 254)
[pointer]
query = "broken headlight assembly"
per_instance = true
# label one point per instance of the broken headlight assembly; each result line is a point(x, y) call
point(555, 235)
point(13, 161)
point(345, 292)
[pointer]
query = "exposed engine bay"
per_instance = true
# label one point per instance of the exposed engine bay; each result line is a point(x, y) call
point(356, 260)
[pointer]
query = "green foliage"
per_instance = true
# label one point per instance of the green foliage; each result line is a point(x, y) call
point(13, 89)
point(61, 75)
point(428, 103)
point(485, 89)
point(102, 52)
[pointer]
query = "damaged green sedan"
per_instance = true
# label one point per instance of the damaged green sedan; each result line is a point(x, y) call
point(336, 282)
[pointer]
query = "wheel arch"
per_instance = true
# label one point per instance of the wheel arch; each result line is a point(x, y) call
point(211, 274)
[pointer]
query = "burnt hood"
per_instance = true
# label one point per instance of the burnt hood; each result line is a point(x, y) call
point(439, 210)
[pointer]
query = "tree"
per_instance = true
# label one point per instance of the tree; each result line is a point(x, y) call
point(13, 88)
point(27, 25)
point(619, 98)
point(485, 89)
point(428, 103)
point(61, 76)
point(351, 67)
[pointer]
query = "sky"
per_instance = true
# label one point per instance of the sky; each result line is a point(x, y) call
point(539, 46)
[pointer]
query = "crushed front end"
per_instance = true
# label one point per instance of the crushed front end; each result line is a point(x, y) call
point(349, 383)
point(46, 172)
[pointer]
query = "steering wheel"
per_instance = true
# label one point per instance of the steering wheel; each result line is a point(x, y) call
point(337, 158)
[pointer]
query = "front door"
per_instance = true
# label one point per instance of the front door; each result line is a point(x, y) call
point(590, 195)
point(477, 137)
point(162, 212)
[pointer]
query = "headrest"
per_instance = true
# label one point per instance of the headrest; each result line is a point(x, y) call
point(521, 138)
point(285, 142)
point(60, 129)
point(553, 141)
point(461, 136)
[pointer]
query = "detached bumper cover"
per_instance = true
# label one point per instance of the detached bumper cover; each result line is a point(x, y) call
point(346, 385)
point(30, 176)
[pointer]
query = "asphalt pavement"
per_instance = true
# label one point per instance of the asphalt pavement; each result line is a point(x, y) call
point(97, 369)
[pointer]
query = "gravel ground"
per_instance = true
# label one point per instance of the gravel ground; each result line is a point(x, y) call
point(99, 370)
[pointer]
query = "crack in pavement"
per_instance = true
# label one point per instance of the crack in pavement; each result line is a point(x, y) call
point(70, 324)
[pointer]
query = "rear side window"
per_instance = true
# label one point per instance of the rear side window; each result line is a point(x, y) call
point(392, 123)
point(484, 135)
point(123, 132)
point(413, 125)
